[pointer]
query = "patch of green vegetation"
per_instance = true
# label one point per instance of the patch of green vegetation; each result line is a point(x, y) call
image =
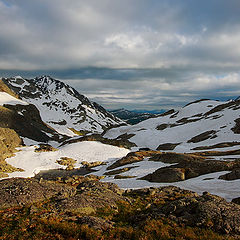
point(20, 224)
point(79, 132)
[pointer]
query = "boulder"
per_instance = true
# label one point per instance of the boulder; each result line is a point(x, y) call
point(166, 175)
point(235, 174)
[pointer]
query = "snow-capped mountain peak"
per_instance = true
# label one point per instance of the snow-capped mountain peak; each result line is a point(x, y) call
point(61, 106)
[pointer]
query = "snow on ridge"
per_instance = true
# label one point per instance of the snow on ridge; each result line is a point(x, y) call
point(61, 106)
point(180, 127)
point(5, 98)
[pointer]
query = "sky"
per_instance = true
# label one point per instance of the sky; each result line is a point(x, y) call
point(136, 54)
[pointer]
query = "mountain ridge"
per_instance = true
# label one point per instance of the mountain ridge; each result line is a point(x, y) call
point(61, 106)
point(200, 123)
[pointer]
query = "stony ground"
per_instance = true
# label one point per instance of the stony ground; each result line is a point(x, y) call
point(84, 208)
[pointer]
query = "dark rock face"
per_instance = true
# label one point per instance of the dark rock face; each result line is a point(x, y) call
point(235, 174)
point(166, 175)
point(191, 166)
point(27, 124)
point(167, 146)
point(236, 200)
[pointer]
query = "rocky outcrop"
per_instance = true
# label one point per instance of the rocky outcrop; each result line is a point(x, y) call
point(236, 200)
point(188, 166)
point(166, 175)
point(132, 157)
point(90, 196)
point(189, 208)
point(167, 146)
point(121, 170)
point(206, 211)
point(203, 136)
point(66, 161)
point(45, 148)
point(235, 174)
point(18, 191)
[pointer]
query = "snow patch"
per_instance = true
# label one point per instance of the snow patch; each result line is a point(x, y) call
point(5, 98)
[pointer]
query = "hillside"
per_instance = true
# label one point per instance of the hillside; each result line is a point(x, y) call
point(201, 124)
point(61, 106)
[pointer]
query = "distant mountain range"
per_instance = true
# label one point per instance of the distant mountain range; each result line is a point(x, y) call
point(135, 116)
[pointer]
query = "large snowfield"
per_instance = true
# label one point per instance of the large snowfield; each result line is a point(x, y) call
point(32, 163)
point(146, 133)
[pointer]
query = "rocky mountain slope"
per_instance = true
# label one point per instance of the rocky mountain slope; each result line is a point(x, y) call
point(132, 117)
point(20, 123)
point(23, 118)
point(203, 124)
point(61, 106)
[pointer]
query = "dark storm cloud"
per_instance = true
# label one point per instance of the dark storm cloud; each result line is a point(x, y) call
point(138, 53)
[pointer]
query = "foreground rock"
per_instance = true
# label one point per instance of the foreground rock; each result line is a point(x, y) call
point(18, 191)
point(208, 211)
point(83, 207)
point(90, 196)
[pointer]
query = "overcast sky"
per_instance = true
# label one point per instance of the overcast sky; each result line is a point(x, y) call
point(137, 54)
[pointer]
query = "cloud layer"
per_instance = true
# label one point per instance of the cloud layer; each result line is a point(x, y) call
point(138, 53)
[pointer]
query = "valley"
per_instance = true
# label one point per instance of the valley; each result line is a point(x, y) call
point(190, 154)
